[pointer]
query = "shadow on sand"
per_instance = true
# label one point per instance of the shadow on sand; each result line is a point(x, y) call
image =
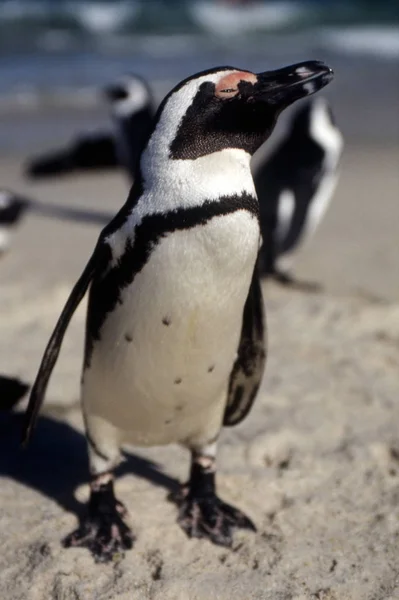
point(55, 462)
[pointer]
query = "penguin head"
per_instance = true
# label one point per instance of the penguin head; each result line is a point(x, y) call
point(128, 95)
point(228, 108)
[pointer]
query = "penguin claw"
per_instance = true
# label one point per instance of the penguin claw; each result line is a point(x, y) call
point(211, 518)
point(105, 535)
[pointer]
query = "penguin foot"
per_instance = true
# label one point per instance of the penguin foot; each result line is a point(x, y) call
point(103, 530)
point(211, 518)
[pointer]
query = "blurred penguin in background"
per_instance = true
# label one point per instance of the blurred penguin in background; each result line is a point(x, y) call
point(132, 109)
point(295, 185)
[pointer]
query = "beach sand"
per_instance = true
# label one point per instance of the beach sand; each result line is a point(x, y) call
point(316, 463)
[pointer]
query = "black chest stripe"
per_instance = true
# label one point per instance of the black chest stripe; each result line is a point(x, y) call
point(105, 292)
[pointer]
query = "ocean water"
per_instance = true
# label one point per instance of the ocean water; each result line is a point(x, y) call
point(56, 54)
point(59, 44)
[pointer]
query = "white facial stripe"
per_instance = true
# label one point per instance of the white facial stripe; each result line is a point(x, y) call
point(168, 125)
point(138, 97)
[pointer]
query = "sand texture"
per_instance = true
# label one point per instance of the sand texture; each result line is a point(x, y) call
point(315, 465)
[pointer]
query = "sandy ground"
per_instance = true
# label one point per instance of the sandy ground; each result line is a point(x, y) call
point(316, 464)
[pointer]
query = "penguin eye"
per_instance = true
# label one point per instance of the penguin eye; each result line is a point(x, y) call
point(227, 92)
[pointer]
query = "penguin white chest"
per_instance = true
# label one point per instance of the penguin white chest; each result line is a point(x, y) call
point(167, 349)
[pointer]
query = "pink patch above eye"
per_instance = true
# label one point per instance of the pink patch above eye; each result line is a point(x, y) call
point(231, 81)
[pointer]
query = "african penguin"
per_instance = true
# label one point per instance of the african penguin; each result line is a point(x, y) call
point(295, 185)
point(131, 106)
point(132, 110)
point(12, 210)
point(175, 343)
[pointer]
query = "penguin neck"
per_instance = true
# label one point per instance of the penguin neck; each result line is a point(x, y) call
point(174, 183)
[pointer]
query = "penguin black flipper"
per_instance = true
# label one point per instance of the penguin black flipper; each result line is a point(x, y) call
point(249, 367)
point(97, 261)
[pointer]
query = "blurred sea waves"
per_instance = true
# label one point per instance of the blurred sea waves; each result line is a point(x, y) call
point(50, 45)
point(23, 21)
point(56, 53)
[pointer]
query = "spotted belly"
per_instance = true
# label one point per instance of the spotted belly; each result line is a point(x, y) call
point(160, 370)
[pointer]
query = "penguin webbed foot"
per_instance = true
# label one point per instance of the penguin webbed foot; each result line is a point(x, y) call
point(202, 514)
point(103, 530)
point(209, 517)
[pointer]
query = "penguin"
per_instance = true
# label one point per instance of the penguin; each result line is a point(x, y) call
point(175, 338)
point(131, 106)
point(132, 110)
point(295, 185)
point(12, 211)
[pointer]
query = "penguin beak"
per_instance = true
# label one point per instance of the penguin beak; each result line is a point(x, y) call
point(284, 86)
